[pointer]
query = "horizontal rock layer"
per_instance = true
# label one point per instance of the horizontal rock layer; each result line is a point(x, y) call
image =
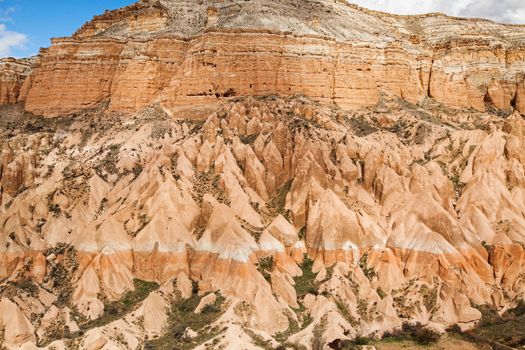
point(140, 55)
point(12, 75)
point(188, 72)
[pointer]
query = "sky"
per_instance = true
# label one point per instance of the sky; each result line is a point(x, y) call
point(27, 25)
point(505, 11)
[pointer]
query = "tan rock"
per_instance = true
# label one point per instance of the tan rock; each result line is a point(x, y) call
point(211, 149)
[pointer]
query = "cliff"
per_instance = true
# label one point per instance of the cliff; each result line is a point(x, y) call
point(181, 54)
point(13, 73)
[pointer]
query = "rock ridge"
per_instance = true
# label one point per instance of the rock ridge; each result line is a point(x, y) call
point(360, 55)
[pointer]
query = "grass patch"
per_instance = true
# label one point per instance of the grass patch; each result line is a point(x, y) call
point(500, 332)
point(306, 283)
point(181, 317)
point(114, 310)
point(265, 267)
point(278, 202)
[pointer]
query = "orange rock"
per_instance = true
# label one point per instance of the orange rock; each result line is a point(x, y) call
point(133, 63)
point(13, 73)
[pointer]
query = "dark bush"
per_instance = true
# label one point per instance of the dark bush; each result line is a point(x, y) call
point(420, 333)
point(361, 341)
point(455, 328)
point(344, 344)
point(415, 332)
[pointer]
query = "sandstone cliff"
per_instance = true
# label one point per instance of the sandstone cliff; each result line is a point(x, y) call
point(181, 54)
point(247, 174)
point(13, 73)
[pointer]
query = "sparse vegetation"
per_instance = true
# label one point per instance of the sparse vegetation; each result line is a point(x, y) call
point(258, 340)
point(59, 274)
point(182, 317)
point(317, 337)
point(265, 266)
point(277, 203)
point(248, 139)
point(401, 129)
point(293, 327)
point(108, 164)
point(254, 231)
point(114, 310)
point(27, 286)
point(415, 332)
point(302, 233)
point(380, 292)
point(458, 185)
point(343, 310)
point(429, 297)
point(363, 264)
point(137, 170)
point(361, 126)
point(208, 182)
point(422, 132)
point(306, 283)
point(503, 332)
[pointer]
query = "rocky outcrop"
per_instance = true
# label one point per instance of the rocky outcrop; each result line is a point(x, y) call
point(13, 73)
point(363, 221)
point(221, 175)
point(163, 52)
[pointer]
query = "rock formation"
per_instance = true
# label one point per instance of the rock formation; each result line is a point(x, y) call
point(182, 54)
point(238, 173)
point(13, 73)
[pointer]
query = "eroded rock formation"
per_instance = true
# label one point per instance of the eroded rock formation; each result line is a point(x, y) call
point(198, 187)
point(13, 73)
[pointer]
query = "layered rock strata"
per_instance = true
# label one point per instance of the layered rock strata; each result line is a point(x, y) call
point(348, 170)
point(182, 54)
point(356, 222)
point(13, 73)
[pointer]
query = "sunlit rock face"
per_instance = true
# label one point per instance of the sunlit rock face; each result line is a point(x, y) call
point(13, 73)
point(181, 54)
point(220, 174)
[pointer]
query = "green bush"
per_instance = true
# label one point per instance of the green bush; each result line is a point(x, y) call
point(306, 283)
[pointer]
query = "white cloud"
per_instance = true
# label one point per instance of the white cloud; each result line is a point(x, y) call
point(506, 11)
point(9, 40)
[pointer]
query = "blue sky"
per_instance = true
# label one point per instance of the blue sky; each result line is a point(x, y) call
point(27, 25)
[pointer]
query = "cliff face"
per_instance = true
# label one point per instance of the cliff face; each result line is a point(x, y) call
point(13, 73)
point(198, 188)
point(172, 53)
